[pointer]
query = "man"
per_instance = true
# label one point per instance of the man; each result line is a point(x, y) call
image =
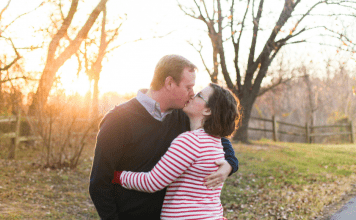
point(135, 135)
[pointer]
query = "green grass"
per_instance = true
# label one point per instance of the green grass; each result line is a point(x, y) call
point(287, 180)
point(275, 181)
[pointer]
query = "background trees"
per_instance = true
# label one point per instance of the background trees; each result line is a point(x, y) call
point(265, 27)
point(330, 99)
point(60, 49)
point(255, 46)
point(11, 65)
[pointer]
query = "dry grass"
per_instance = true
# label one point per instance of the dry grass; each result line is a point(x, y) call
point(288, 181)
point(28, 191)
point(275, 181)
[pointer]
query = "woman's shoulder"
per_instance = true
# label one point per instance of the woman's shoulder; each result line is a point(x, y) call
point(188, 138)
point(197, 136)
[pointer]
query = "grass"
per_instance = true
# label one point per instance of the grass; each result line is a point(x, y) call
point(275, 181)
point(28, 191)
point(288, 180)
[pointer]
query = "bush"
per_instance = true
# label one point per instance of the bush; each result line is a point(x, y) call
point(64, 134)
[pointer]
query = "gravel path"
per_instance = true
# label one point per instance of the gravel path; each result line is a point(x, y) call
point(347, 212)
point(345, 209)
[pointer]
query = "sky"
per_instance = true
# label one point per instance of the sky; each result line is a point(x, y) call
point(131, 66)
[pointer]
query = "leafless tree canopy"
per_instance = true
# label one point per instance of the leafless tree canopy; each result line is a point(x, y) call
point(56, 59)
point(266, 27)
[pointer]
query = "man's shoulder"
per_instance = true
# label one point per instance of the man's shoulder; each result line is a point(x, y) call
point(126, 106)
point(122, 112)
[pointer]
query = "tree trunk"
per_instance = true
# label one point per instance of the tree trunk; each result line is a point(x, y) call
point(44, 87)
point(95, 103)
point(241, 134)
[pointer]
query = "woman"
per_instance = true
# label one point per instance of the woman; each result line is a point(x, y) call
point(213, 113)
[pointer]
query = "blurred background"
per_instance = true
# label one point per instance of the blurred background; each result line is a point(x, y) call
point(294, 60)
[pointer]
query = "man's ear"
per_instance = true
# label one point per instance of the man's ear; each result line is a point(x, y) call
point(168, 82)
point(206, 111)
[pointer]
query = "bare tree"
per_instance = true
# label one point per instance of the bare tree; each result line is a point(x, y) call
point(55, 58)
point(95, 49)
point(10, 67)
point(93, 60)
point(224, 21)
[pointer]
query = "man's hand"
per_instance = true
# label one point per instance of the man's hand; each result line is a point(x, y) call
point(215, 179)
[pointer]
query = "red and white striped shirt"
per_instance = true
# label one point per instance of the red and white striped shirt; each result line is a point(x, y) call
point(189, 159)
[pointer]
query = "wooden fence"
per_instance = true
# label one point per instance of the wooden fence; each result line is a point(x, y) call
point(309, 131)
point(15, 135)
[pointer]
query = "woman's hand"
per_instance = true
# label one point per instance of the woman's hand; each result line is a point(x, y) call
point(215, 179)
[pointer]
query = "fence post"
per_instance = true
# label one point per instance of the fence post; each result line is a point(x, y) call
point(352, 135)
point(15, 140)
point(274, 128)
point(307, 135)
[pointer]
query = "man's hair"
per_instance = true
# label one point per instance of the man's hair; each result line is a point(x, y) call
point(225, 112)
point(170, 65)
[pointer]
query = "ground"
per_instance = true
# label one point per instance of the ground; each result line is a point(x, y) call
point(275, 181)
point(331, 209)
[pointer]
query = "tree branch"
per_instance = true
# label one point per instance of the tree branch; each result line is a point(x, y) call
point(274, 85)
point(206, 11)
point(284, 40)
point(4, 9)
point(62, 31)
point(82, 34)
point(16, 78)
point(237, 46)
point(15, 60)
point(288, 8)
point(305, 14)
point(201, 56)
point(8, 25)
point(225, 73)
point(256, 22)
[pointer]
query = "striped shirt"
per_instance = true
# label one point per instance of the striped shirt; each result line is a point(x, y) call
point(189, 159)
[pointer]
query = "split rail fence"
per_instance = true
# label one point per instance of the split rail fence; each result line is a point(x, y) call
point(309, 131)
point(15, 136)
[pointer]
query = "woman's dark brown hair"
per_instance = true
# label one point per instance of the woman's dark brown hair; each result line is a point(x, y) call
point(225, 114)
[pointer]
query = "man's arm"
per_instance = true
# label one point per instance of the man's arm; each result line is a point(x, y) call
point(111, 139)
point(178, 158)
point(226, 167)
point(230, 155)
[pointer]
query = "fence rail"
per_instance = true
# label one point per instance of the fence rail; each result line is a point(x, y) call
point(15, 136)
point(308, 130)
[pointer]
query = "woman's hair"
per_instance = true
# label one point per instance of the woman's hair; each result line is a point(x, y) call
point(170, 65)
point(225, 114)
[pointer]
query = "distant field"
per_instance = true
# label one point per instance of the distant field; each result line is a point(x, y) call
point(275, 181)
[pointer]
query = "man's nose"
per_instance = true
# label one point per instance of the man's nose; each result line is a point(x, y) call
point(191, 94)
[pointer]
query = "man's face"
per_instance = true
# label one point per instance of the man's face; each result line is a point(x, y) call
point(183, 92)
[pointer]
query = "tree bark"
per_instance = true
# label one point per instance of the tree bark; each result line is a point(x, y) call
point(95, 103)
point(246, 103)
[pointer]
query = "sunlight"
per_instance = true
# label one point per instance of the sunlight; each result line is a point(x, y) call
point(72, 83)
point(78, 85)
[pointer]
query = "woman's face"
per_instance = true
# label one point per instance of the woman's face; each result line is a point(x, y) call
point(197, 106)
